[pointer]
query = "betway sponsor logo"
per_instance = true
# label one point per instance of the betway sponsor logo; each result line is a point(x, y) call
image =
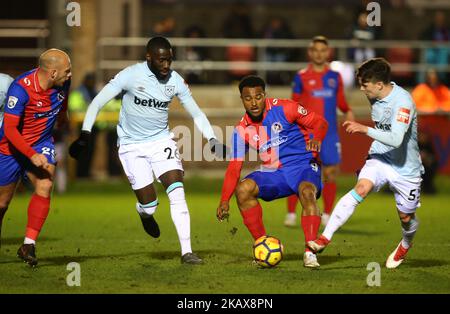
point(151, 103)
point(273, 143)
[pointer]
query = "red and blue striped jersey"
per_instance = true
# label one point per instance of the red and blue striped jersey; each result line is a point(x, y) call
point(322, 93)
point(281, 137)
point(36, 108)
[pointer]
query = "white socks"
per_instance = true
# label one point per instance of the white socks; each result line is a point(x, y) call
point(29, 241)
point(342, 212)
point(409, 230)
point(146, 210)
point(180, 215)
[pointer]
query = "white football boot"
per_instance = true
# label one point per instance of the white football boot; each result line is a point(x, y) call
point(397, 257)
point(310, 260)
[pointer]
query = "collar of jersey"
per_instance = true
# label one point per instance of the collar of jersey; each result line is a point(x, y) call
point(37, 86)
point(389, 97)
point(147, 69)
point(311, 70)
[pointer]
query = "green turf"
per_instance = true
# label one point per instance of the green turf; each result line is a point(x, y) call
point(97, 226)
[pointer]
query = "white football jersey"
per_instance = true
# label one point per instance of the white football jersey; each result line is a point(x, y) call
point(395, 118)
point(145, 105)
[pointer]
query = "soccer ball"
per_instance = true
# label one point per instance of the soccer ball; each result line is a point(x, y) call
point(268, 251)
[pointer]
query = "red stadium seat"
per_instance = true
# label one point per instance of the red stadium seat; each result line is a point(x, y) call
point(400, 55)
point(240, 53)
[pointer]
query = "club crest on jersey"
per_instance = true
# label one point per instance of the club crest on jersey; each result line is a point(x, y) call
point(387, 112)
point(331, 83)
point(301, 110)
point(12, 101)
point(169, 90)
point(256, 138)
point(277, 127)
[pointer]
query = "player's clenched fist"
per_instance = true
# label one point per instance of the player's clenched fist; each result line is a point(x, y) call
point(80, 145)
point(314, 145)
point(39, 160)
point(222, 211)
point(219, 149)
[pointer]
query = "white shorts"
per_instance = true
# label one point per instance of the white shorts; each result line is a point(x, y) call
point(406, 190)
point(140, 161)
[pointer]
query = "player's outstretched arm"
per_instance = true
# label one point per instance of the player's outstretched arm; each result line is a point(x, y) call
point(80, 145)
point(201, 122)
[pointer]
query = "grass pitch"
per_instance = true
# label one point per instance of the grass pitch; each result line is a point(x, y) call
point(96, 225)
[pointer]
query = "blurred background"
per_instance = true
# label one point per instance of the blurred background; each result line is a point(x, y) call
point(216, 42)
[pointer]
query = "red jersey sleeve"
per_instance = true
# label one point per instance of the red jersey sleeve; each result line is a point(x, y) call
point(296, 113)
point(13, 135)
point(341, 102)
point(232, 176)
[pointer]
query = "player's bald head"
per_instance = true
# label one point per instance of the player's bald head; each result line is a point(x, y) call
point(53, 58)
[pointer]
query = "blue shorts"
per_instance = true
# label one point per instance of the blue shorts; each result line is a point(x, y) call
point(14, 166)
point(285, 181)
point(330, 152)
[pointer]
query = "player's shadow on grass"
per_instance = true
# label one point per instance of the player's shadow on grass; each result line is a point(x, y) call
point(424, 263)
point(166, 255)
point(322, 259)
point(66, 259)
point(358, 232)
point(19, 240)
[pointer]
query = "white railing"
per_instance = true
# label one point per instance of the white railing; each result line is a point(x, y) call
point(36, 29)
point(261, 65)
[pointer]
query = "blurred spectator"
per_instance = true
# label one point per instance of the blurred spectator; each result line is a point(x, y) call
point(429, 161)
point(79, 100)
point(431, 96)
point(101, 157)
point(193, 53)
point(277, 28)
point(238, 24)
point(362, 33)
point(438, 32)
point(165, 27)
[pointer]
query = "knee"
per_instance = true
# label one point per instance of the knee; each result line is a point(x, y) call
point(329, 175)
point(362, 190)
point(308, 192)
point(245, 190)
point(44, 188)
point(407, 219)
